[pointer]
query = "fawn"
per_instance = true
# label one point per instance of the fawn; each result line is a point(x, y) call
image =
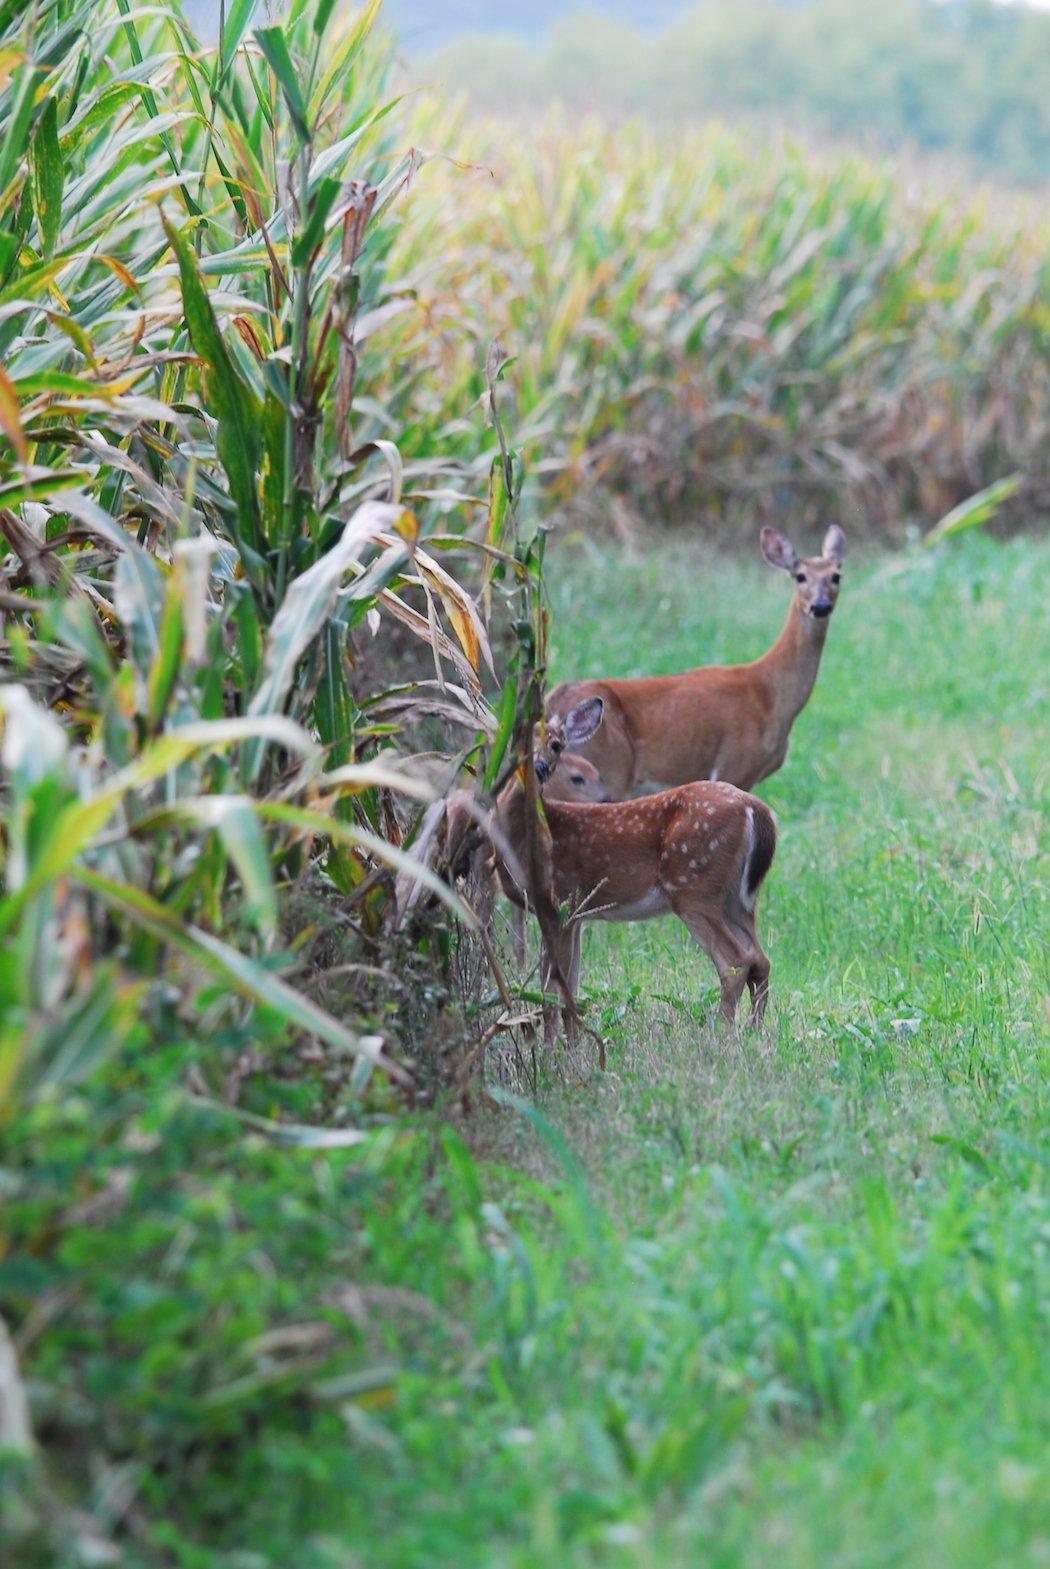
point(700, 851)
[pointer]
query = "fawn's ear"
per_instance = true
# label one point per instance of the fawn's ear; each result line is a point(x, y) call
point(834, 546)
point(582, 721)
point(778, 549)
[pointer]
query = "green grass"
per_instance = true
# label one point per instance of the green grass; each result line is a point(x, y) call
point(777, 1299)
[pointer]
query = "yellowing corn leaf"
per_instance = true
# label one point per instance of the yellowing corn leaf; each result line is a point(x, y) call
point(10, 419)
point(442, 645)
point(459, 607)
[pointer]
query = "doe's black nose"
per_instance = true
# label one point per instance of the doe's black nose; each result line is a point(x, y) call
point(543, 770)
point(822, 608)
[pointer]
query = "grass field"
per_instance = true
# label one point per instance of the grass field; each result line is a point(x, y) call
point(826, 1335)
point(776, 1299)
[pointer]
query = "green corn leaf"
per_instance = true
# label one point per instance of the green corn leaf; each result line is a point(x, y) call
point(167, 665)
point(19, 117)
point(235, 968)
point(237, 408)
point(238, 20)
point(307, 605)
point(91, 1027)
point(249, 633)
point(234, 819)
point(323, 15)
point(975, 511)
point(150, 102)
point(344, 53)
point(363, 839)
point(274, 46)
point(139, 598)
point(289, 1135)
point(311, 239)
point(73, 829)
point(499, 503)
point(45, 163)
point(504, 730)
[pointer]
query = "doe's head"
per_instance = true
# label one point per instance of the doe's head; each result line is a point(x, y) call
point(559, 735)
point(816, 578)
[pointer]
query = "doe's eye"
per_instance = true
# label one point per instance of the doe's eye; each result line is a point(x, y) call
point(800, 577)
point(555, 747)
point(836, 578)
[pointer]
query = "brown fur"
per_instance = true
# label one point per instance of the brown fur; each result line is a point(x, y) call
point(700, 852)
point(576, 780)
point(729, 722)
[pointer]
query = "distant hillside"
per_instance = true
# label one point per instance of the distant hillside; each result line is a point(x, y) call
point(959, 78)
point(962, 78)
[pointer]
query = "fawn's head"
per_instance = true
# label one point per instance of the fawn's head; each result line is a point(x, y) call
point(816, 578)
point(557, 736)
point(577, 779)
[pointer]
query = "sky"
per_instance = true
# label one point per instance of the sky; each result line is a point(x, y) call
point(424, 24)
point(446, 18)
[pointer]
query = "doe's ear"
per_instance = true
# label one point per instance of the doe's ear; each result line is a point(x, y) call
point(834, 546)
point(778, 549)
point(582, 721)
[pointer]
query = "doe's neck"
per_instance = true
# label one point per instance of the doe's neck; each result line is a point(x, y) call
point(792, 663)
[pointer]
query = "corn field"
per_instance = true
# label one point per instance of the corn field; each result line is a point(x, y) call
point(208, 518)
point(715, 330)
point(261, 508)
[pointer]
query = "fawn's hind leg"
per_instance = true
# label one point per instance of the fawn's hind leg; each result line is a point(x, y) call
point(741, 925)
point(758, 986)
point(728, 955)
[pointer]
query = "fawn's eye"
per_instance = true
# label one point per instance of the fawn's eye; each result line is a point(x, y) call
point(555, 747)
point(836, 578)
point(800, 577)
point(576, 778)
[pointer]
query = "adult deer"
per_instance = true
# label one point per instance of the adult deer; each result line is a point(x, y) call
point(700, 852)
point(729, 722)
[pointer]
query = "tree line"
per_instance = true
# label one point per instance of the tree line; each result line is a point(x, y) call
point(966, 79)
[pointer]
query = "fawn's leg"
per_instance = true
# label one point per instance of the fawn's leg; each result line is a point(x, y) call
point(740, 925)
point(758, 986)
point(567, 960)
point(516, 921)
point(728, 955)
point(571, 971)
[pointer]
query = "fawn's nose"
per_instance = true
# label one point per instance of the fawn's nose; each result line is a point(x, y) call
point(605, 797)
point(822, 608)
point(543, 770)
